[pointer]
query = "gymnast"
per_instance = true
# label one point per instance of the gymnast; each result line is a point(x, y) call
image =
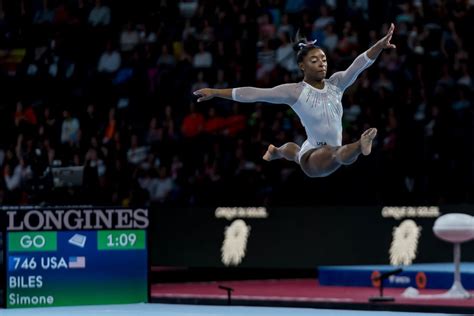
point(317, 102)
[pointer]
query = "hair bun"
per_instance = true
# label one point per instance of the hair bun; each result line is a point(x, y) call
point(299, 45)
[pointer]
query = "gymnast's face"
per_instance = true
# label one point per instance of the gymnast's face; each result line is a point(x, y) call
point(314, 65)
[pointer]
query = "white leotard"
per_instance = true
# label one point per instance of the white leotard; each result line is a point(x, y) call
point(320, 110)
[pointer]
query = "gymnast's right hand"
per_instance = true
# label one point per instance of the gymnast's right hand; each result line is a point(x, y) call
point(204, 94)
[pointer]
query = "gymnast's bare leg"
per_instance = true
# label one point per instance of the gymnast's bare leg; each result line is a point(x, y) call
point(325, 160)
point(288, 151)
point(348, 154)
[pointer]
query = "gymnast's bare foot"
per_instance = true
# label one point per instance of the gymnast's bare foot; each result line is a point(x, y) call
point(272, 153)
point(366, 141)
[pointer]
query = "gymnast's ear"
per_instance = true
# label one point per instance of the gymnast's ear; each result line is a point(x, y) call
point(301, 66)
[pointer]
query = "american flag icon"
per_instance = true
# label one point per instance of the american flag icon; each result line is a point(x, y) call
point(77, 262)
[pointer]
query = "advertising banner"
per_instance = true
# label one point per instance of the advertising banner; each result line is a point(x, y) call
point(285, 237)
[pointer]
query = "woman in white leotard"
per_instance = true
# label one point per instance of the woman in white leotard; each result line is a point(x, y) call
point(317, 101)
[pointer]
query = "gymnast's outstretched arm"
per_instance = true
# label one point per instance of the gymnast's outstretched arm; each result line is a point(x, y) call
point(382, 44)
point(282, 94)
point(344, 79)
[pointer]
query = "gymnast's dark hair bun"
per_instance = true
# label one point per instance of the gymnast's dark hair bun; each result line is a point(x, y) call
point(299, 40)
point(302, 46)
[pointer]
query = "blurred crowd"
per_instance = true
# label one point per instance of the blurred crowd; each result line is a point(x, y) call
point(108, 85)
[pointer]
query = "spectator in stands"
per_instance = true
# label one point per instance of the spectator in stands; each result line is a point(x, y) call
point(221, 83)
point(99, 15)
point(193, 123)
point(266, 29)
point(129, 38)
point(235, 123)
point(13, 177)
point(465, 78)
point(169, 124)
point(62, 15)
point(349, 40)
point(202, 59)
point(25, 118)
point(200, 83)
point(136, 153)
point(189, 31)
point(285, 26)
point(330, 38)
point(70, 129)
point(164, 187)
point(266, 61)
point(110, 60)
point(155, 133)
point(207, 32)
point(89, 124)
point(166, 59)
point(285, 55)
point(45, 15)
point(214, 123)
point(111, 126)
point(324, 19)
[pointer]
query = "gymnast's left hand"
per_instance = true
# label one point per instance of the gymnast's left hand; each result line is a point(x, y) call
point(385, 41)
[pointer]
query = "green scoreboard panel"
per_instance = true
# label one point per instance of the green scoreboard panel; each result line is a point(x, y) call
point(98, 265)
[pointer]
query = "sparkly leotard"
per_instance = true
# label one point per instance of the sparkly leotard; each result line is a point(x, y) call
point(320, 110)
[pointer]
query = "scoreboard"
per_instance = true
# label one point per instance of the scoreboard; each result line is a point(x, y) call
point(107, 263)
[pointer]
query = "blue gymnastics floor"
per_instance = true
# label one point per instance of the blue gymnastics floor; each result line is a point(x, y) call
point(189, 310)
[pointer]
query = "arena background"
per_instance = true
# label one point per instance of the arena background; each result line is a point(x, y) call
point(130, 122)
point(108, 85)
